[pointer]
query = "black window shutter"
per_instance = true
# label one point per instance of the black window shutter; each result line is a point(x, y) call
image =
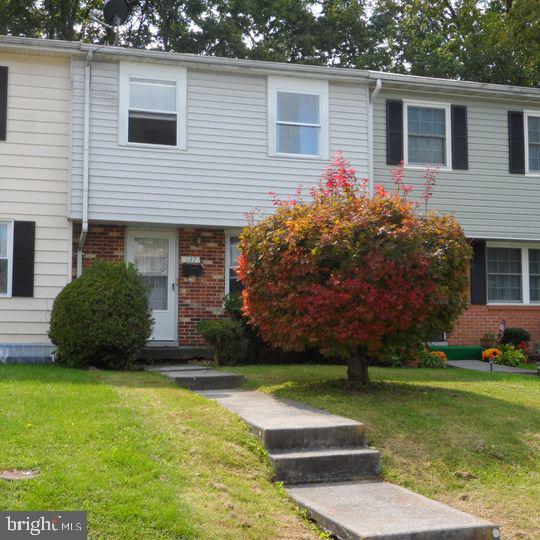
point(460, 143)
point(3, 101)
point(516, 142)
point(24, 239)
point(478, 273)
point(394, 132)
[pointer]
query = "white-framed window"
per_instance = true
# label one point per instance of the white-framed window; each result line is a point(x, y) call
point(513, 273)
point(298, 117)
point(232, 283)
point(427, 134)
point(532, 142)
point(153, 105)
point(6, 257)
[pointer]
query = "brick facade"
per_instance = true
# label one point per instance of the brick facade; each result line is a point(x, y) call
point(105, 242)
point(479, 320)
point(198, 297)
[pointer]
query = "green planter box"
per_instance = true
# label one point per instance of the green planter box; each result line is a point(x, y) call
point(457, 352)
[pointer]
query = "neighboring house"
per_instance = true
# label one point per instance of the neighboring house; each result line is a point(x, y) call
point(169, 151)
point(485, 141)
point(35, 234)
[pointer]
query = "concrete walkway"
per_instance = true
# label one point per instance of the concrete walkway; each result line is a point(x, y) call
point(333, 474)
point(479, 365)
point(196, 377)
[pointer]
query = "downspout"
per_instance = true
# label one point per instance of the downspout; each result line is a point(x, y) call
point(86, 162)
point(372, 97)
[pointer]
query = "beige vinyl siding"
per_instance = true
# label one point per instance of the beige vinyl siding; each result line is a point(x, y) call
point(225, 170)
point(34, 162)
point(488, 200)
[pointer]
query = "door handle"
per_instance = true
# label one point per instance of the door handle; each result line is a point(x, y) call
point(172, 285)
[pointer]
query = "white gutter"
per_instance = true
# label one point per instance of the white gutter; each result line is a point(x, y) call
point(86, 161)
point(372, 97)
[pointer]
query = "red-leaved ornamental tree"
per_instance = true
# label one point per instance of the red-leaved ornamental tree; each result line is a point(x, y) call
point(350, 274)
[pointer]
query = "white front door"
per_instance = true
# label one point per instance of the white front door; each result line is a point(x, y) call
point(154, 255)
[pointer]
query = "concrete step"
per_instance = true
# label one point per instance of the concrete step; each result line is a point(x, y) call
point(326, 465)
point(284, 425)
point(205, 379)
point(380, 511)
point(171, 353)
point(165, 368)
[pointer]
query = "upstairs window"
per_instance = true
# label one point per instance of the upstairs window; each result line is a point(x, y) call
point(152, 105)
point(427, 137)
point(152, 112)
point(298, 124)
point(533, 146)
point(298, 117)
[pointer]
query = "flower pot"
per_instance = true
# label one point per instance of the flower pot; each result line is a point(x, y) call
point(413, 363)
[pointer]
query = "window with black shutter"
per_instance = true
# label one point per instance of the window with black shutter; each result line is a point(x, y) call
point(516, 142)
point(24, 234)
point(3, 102)
point(478, 273)
point(394, 132)
point(460, 147)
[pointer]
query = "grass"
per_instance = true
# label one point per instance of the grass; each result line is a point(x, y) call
point(466, 438)
point(144, 458)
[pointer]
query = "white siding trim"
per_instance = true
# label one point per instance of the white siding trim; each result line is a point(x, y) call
point(448, 134)
point(9, 257)
point(526, 116)
point(228, 234)
point(175, 74)
point(301, 86)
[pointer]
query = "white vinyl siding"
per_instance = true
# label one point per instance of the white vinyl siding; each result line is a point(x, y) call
point(532, 142)
point(34, 163)
point(487, 200)
point(225, 170)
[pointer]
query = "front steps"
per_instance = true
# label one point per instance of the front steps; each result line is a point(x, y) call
point(326, 465)
point(328, 470)
point(305, 444)
point(195, 377)
point(173, 353)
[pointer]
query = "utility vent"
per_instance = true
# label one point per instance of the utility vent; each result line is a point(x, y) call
point(26, 353)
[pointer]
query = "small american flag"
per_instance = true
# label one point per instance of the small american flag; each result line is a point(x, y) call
point(502, 326)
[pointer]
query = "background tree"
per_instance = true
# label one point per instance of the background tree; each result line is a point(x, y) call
point(483, 40)
point(350, 274)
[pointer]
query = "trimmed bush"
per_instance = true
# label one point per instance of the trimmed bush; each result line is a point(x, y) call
point(227, 336)
point(102, 319)
point(515, 336)
point(511, 356)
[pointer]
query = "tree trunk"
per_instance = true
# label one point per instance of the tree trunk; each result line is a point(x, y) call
point(357, 366)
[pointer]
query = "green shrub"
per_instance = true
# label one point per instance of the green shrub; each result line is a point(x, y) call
point(511, 356)
point(515, 336)
point(233, 305)
point(227, 336)
point(431, 359)
point(102, 319)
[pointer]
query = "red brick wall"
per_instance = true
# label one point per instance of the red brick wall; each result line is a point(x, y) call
point(105, 242)
point(479, 320)
point(200, 297)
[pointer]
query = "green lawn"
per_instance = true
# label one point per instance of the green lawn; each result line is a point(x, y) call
point(466, 438)
point(145, 458)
